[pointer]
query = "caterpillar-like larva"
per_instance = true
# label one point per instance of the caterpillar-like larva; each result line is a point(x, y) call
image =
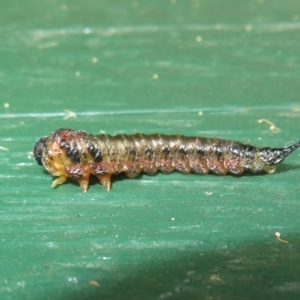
point(77, 155)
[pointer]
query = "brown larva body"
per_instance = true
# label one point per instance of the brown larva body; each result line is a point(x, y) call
point(76, 154)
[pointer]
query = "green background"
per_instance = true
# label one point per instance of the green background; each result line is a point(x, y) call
point(208, 68)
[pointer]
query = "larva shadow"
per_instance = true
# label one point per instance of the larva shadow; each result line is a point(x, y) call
point(287, 167)
point(247, 271)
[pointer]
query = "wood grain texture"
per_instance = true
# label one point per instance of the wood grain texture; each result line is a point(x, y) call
point(178, 67)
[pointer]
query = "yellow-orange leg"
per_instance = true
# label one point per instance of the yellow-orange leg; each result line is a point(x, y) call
point(61, 179)
point(105, 181)
point(270, 169)
point(130, 175)
point(84, 183)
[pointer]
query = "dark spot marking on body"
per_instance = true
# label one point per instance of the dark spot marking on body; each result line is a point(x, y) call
point(75, 172)
point(235, 150)
point(71, 151)
point(248, 151)
point(217, 149)
point(200, 150)
point(99, 169)
point(95, 152)
point(149, 151)
point(182, 149)
point(166, 150)
point(132, 151)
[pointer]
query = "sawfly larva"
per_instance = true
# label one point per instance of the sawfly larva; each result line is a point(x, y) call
point(75, 154)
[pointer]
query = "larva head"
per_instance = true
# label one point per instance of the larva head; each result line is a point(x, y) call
point(63, 154)
point(47, 152)
point(39, 149)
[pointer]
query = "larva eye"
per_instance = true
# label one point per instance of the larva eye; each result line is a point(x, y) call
point(39, 148)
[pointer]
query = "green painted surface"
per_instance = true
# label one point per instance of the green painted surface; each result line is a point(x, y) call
point(149, 66)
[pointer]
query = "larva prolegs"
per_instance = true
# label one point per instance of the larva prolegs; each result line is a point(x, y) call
point(216, 166)
point(233, 167)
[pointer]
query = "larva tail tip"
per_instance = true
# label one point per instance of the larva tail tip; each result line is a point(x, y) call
point(271, 157)
point(292, 148)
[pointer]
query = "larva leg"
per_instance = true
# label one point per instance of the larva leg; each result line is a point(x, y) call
point(130, 169)
point(233, 167)
point(61, 179)
point(105, 181)
point(199, 166)
point(182, 166)
point(130, 175)
point(148, 167)
point(133, 172)
point(270, 169)
point(216, 166)
point(84, 183)
point(165, 166)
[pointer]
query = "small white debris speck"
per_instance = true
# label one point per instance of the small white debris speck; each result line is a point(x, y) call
point(277, 234)
point(272, 125)
point(4, 148)
point(69, 114)
point(87, 30)
point(198, 38)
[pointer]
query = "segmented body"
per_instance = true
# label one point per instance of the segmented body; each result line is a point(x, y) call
point(76, 154)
